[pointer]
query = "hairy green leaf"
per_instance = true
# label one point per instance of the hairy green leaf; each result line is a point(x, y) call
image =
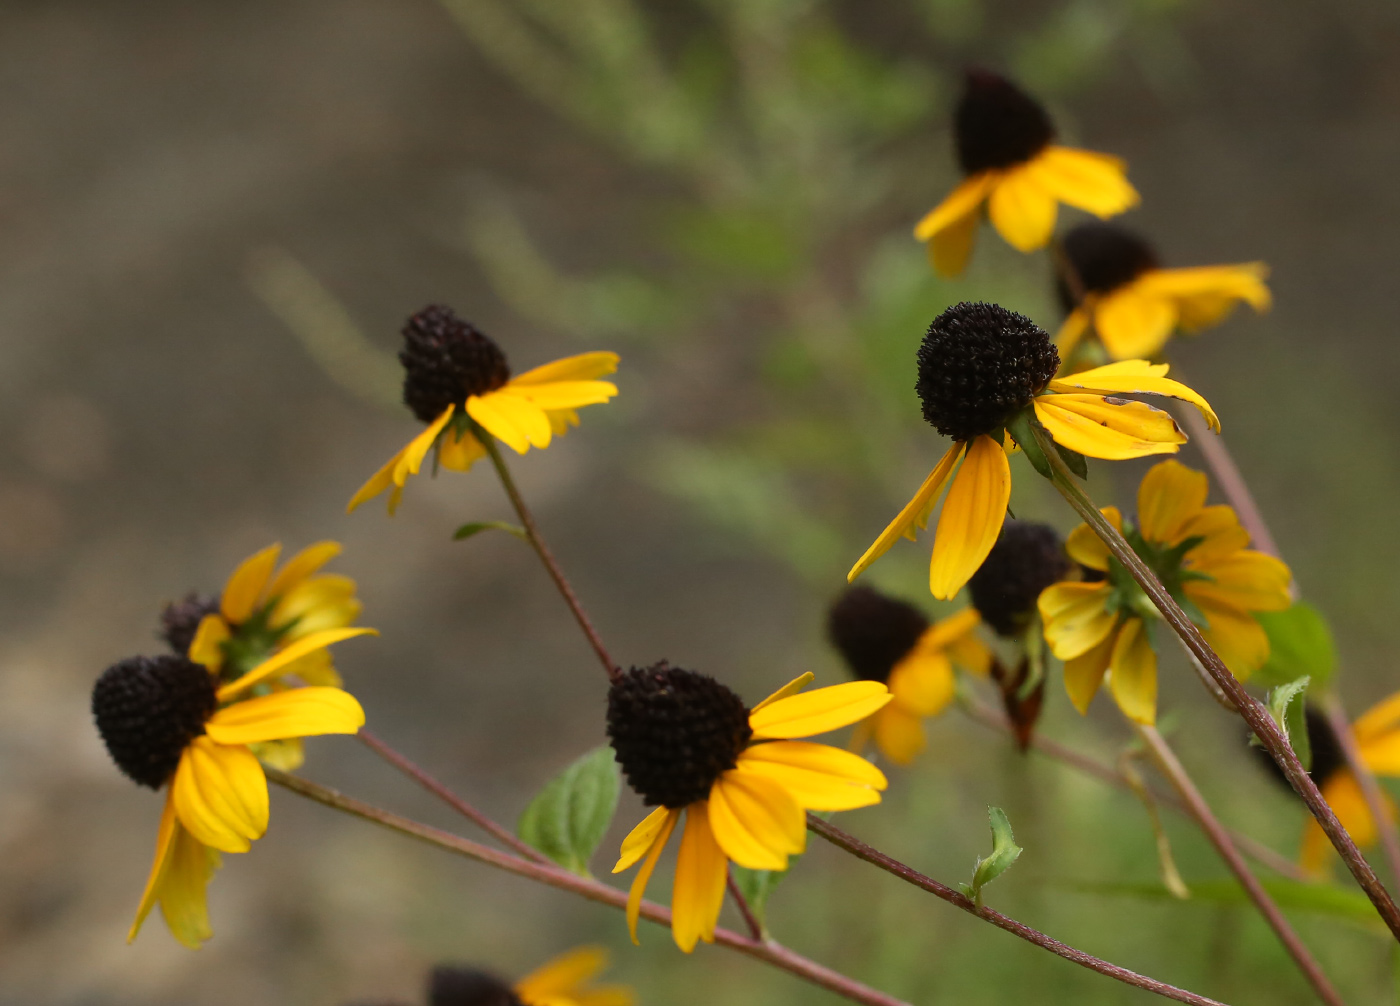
point(569, 817)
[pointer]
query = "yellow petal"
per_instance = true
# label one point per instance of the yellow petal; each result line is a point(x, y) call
point(701, 872)
point(300, 712)
point(755, 820)
point(583, 367)
point(1072, 330)
point(183, 902)
point(641, 838)
point(284, 755)
point(1220, 529)
point(1134, 323)
point(240, 597)
point(915, 512)
point(950, 248)
point(972, 655)
point(1021, 209)
point(1349, 804)
point(1090, 181)
point(1248, 579)
point(1134, 377)
point(302, 565)
point(308, 600)
point(1132, 673)
point(639, 882)
point(1085, 547)
point(1379, 720)
point(1381, 754)
point(972, 517)
point(1169, 495)
point(603, 995)
point(562, 395)
point(458, 452)
point(1232, 633)
point(561, 419)
point(962, 202)
point(412, 457)
point(818, 711)
point(377, 483)
point(564, 974)
point(207, 647)
point(949, 629)
point(791, 688)
point(899, 735)
point(1075, 617)
point(511, 420)
point(278, 662)
point(1084, 673)
point(1205, 295)
point(1113, 429)
point(817, 776)
point(165, 844)
point(221, 795)
point(922, 683)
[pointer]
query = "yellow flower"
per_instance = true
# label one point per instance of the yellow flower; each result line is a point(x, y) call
point(1012, 166)
point(891, 641)
point(457, 381)
point(166, 720)
point(565, 981)
point(1134, 305)
point(1201, 555)
point(738, 776)
point(1377, 736)
point(983, 369)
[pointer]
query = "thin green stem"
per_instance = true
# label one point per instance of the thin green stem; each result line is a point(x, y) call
point(1253, 712)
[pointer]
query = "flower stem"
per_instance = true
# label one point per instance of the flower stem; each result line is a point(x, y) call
point(860, 850)
point(1253, 712)
point(742, 903)
point(532, 532)
point(546, 873)
point(1172, 768)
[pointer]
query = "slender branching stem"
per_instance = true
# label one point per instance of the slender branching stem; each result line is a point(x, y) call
point(768, 952)
point(551, 565)
point(860, 850)
point(1253, 711)
point(1171, 767)
point(742, 903)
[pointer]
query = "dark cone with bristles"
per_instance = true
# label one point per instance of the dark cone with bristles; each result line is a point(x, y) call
point(675, 732)
point(997, 125)
point(1327, 755)
point(449, 986)
point(873, 632)
point(979, 365)
point(1027, 558)
point(148, 709)
point(445, 361)
point(180, 620)
point(1104, 257)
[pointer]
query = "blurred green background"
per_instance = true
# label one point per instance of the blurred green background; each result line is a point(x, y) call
point(215, 217)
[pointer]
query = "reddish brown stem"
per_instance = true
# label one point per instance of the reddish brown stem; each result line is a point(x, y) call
point(742, 903)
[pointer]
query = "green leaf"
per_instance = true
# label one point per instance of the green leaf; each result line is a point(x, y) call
point(757, 885)
point(475, 528)
point(1020, 429)
point(1288, 706)
point(1005, 851)
point(1073, 460)
point(1300, 644)
point(569, 817)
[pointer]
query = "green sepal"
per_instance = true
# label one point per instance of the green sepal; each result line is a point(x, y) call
point(1022, 427)
point(1073, 460)
point(570, 816)
point(1005, 851)
point(1300, 643)
point(476, 527)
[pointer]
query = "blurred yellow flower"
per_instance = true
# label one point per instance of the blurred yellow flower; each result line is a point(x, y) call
point(1377, 736)
point(1201, 555)
point(566, 981)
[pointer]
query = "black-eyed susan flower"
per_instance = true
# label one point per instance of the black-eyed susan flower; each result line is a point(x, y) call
point(1011, 164)
point(1027, 558)
point(891, 641)
point(167, 722)
point(565, 981)
point(1201, 555)
point(1133, 304)
point(739, 777)
point(983, 370)
point(458, 382)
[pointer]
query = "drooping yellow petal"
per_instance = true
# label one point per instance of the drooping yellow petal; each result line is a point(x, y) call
point(972, 517)
point(950, 628)
point(1114, 429)
point(923, 683)
point(165, 844)
point(245, 585)
point(1087, 548)
point(1248, 579)
point(564, 974)
point(1084, 673)
point(1085, 179)
point(791, 688)
point(220, 795)
point(1232, 633)
point(818, 711)
point(755, 820)
point(1381, 754)
point(899, 735)
point(698, 890)
point(639, 882)
point(512, 420)
point(950, 248)
point(300, 566)
point(1169, 495)
point(641, 838)
point(278, 662)
point(377, 483)
point(962, 202)
point(207, 647)
point(1205, 295)
point(1021, 209)
point(818, 776)
point(1221, 533)
point(460, 450)
point(403, 464)
point(915, 512)
point(1132, 673)
point(183, 901)
point(583, 367)
point(1134, 323)
point(299, 712)
point(1134, 377)
point(1072, 330)
point(1075, 617)
point(560, 395)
